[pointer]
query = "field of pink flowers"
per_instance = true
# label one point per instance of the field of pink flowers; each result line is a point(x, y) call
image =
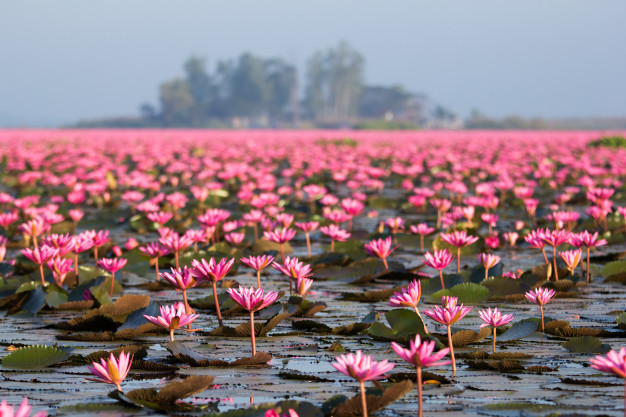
point(312, 273)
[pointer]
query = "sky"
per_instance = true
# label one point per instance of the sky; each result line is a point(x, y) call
point(67, 60)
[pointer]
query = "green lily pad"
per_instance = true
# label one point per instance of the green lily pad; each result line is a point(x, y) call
point(405, 324)
point(55, 296)
point(621, 321)
point(613, 268)
point(586, 344)
point(467, 293)
point(34, 356)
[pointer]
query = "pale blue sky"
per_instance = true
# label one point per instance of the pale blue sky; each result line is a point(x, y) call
point(65, 60)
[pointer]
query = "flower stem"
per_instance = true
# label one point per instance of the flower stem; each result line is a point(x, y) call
point(420, 316)
point(588, 274)
point(252, 333)
point(494, 339)
point(282, 253)
point(486, 273)
point(217, 304)
point(258, 278)
point(363, 398)
point(419, 392)
point(176, 257)
point(76, 268)
point(443, 287)
point(156, 268)
point(308, 244)
point(542, 326)
point(451, 351)
point(556, 271)
point(95, 255)
point(386, 265)
point(458, 259)
point(332, 245)
point(43, 282)
point(112, 282)
point(171, 335)
point(421, 243)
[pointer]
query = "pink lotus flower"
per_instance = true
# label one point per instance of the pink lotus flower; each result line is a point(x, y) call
point(488, 260)
point(420, 354)
point(7, 410)
point(335, 234)
point(614, 363)
point(60, 267)
point(176, 244)
point(8, 218)
point(274, 413)
point(99, 239)
point(540, 296)
point(154, 250)
point(396, 224)
point(258, 263)
point(40, 256)
point(303, 285)
point(307, 228)
point(33, 228)
point(160, 217)
point(294, 269)
point(438, 260)
point(252, 300)
point(589, 241)
point(458, 239)
point(556, 238)
point(280, 236)
point(172, 317)
point(511, 238)
point(422, 230)
point(182, 279)
point(112, 266)
point(447, 315)
point(112, 371)
point(235, 238)
point(212, 271)
point(362, 368)
point(409, 297)
point(380, 248)
point(494, 319)
point(571, 259)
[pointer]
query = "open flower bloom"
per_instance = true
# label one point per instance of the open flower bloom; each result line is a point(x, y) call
point(182, 279)
point(274, 413)
point(7, 410)
point(450, 313)
point(380, 248)
point(211, 271)
point(112, 265)
point(294, 268)
point(172, 317)
point(614, 363)
point(361, 367)
point(258, 263)
point(494, 318)
point(112, 371)
point(420, 354)
point(409, 297)
point(540, 295)
point(571, 259)
point(303, 285)
point(280, 235)
point(251, 299)
point(439, 259)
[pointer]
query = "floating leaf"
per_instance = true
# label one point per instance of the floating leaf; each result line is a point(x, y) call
point(613, 268)
point(502, 286)
point(498, 365)
point(467, 293)
point(621, 321)
point(586, 344)
point(35, 356)
point(518, 330)
point(477, 274)
point(36, 300)
point(405, 324)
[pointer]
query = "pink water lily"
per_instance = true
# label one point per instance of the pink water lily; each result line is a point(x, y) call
point(40, 256)
point(458, 239)
point(252, 300)
point(258, 263)
point(614, 363)
point(307, 228)
point(7, 410)
point(362, 368)
point(409, 297)
point(280, 236)
point(294, 269)
point(212, 271)
point(112, 265)
point(335, 234)
point(488, 260)
point(112, 371)
point(182, 279)
point(380, 248)
point(447, 315)
point(420, 354)
point(494, 319)
point(438, 260)
point(540, 296)
point(172, 317)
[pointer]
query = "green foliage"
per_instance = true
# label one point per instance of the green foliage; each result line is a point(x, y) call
point(385, 125)
point(586, 344)
point(609, 142)
point(467, 293)
point(613, 268)
point(405, 324)
point(33, 357)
